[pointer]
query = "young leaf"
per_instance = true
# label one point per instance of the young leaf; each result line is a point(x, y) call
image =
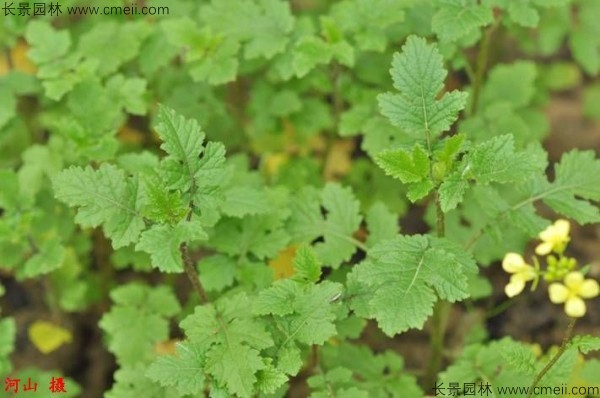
point(405, 166)
point(306, 266)
point(418, 73)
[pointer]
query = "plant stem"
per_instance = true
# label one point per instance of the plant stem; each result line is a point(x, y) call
point(555, 358)
point(191, 273)
point(482, 61)
point(439, 318)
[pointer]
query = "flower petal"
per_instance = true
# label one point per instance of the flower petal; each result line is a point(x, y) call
point(513, 262)
point(528, 273)
point(558, 293)
point(514, 287)
point(575, 307)
point(543, 248)
point(589, 289)
point(573, 280)
point(562, 228)
point(547, 234)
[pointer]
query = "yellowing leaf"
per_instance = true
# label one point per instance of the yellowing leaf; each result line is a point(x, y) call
point(166, 347)
point(20, 60)
point(283, 264)
point(48, 337)
point(273, 162)
point(3, 65)
point(130, 135)
point(338, 161)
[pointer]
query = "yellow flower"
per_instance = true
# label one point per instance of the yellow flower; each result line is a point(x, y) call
point(572, 293)
point(522, 272)
point(554, 238)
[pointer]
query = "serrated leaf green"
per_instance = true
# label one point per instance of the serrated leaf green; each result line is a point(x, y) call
point(103, 197)
point(184, 371)
point(231, 339)
point(137, 321)
point(342, 220)
point(405, 274)
point(418, 73)
point(163, 243)
point(406, 166)
point(458, 18)
point(577, 182)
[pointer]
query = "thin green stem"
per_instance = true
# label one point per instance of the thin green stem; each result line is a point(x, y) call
point(439, 318)
point(555, 358)
point(480, 69)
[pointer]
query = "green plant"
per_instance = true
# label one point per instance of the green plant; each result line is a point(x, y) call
point(221, 190)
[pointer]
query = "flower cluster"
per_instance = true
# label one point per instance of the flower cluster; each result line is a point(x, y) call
point(568, 286)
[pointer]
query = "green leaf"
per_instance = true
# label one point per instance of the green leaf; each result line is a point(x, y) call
point(577, 182)
point(104, 197)
point(131, 382)
point(306, 266)
point(270, 378)
point(459, 18)
point(182, 140)
point(341, 221)
point(162, 205)
point(8, 331)
point(496, 160)
point(138, 321)
point(382, 224)
point(243, 200)
point(49, 258)
point(231, 340)
point(217, 272)
point(419, 75)
point(47, 44)
point(184, 371)
point(403, 276)
point(262, 235)
point(381, 374)
point(261, 25)
point(303, 314)
point(452, 191)
point(112, 44)
point(368, 24)
point(309, 52)
point(130, 93)
point(337, 382)
point(163, 243)
point(586, 343)
point(523, 14)
point(511, 83)
point(404, 165)
point(584, 40)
